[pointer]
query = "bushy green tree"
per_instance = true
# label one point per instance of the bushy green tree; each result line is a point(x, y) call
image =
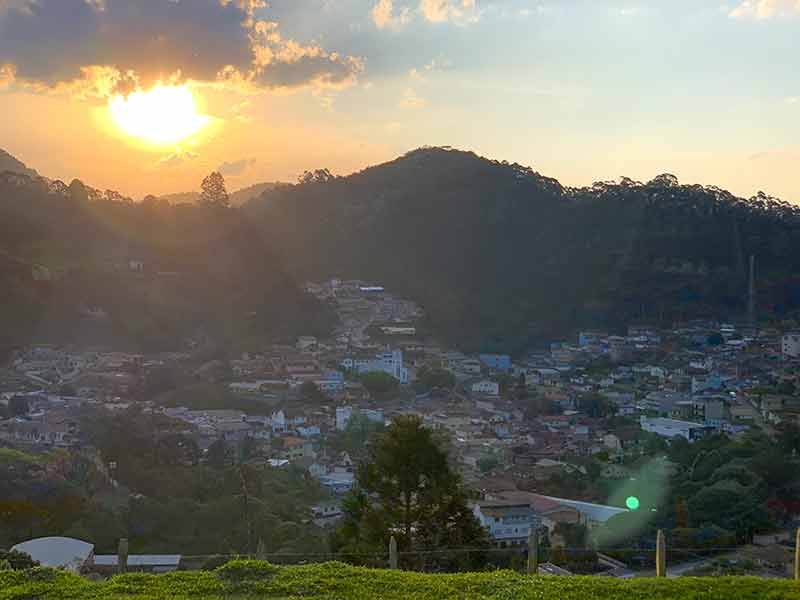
point(406, 488)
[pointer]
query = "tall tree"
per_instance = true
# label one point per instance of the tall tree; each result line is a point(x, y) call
point(213, 191)
point(406, 488)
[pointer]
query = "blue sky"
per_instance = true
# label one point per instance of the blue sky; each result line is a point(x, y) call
point(580, 90)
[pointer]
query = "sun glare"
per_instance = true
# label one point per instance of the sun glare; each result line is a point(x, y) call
point(160, 116)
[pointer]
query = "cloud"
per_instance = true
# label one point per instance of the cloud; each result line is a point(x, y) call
point(410, 99)
point(236, 167)
point(383, 15)
point(764, 9)
point(98, 47)
point(387, 14)
point(175, 159)
point(7, 75)
point(438, 11)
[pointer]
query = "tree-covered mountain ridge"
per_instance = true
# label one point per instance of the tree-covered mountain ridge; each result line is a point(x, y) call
point(90, 267)
point(502, 256)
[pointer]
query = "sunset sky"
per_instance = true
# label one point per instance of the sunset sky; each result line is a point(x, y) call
point(581, 90)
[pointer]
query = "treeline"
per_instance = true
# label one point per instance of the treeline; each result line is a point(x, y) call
point(501, 256)
point(84, 266)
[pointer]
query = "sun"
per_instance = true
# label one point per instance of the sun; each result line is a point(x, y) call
point(161, 116)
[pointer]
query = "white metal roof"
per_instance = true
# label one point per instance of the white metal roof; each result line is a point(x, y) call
point(61, 552)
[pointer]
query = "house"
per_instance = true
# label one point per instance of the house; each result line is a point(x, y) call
point(343, 416)
point(390, 362)
point(108, 564)
point(509, 524)
point(488, 388)
point(790, 345)
point(670, 428)
point(496, 362)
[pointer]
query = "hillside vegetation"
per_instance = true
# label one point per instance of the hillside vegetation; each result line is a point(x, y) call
point(66, 254)
point(245, 579)
point(501, 256)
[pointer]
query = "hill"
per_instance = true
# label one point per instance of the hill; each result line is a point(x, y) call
point(250, 579)
point(86, 267)
point(11, 164)
point(502, 257)
point(238, 198)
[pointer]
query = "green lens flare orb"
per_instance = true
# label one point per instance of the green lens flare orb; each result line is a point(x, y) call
point(632, 502)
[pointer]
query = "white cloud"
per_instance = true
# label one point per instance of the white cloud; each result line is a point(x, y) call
point(764, 9)
point(410, 99)
point(384, 17)
point(175, 159)
point(7, 75)
point(237, 167)
point(396, 14)
point(439, 11)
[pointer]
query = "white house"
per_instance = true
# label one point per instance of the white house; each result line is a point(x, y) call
point(390, 362)
point(508, 524)
point(343, 416)
point(672, 428)
point(489, 388)
point(790, 345)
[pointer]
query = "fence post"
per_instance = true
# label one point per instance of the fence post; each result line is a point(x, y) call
point(797, 556)
point(661, 555)
point(393, 562)
point(533, 551)
point(122, 555)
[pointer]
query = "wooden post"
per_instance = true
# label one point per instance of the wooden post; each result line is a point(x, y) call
point(393, 562)
point(797, 556)
point(122, 555)
point(533, 551)
point(661, 555)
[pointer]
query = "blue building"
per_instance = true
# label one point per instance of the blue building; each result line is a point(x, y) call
point(497, 362)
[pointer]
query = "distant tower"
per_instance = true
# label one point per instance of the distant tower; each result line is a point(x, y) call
point(751, 292)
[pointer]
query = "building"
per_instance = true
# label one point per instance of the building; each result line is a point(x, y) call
point(343, 416)
point(58, 552)
point(790, 345)
point(508, 524)
point(489, 388)
point(671, 428)
point(496, 362)
point(390, 362)
point(108, 564)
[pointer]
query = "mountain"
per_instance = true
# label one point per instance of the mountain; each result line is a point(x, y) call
point(238, 198)
point(80, 266)
point(11, 164)
point(502, 257)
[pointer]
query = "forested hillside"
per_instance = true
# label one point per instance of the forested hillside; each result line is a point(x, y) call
point(501, 256)
point(78, 265)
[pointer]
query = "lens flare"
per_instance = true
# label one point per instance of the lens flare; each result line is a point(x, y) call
point(632, 502)
point(161, 116)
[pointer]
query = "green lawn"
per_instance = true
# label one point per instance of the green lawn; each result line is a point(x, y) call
point(250, 579)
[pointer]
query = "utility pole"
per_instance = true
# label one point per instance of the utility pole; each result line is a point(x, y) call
point(393, 561)
point(533, 551)
point(661, 555)
point(122, 556)
point(797, 556)
point(751, 292)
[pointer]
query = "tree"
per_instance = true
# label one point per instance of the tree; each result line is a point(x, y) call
point(429, 378)
point(18, 406)
point(407, 488)
point(596, 406)
point(310, 392)
point(316, 176)
point(380, 384)
point(217, 455)
point(213, 191)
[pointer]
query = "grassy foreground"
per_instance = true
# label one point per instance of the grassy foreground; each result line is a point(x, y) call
point(251, 579)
